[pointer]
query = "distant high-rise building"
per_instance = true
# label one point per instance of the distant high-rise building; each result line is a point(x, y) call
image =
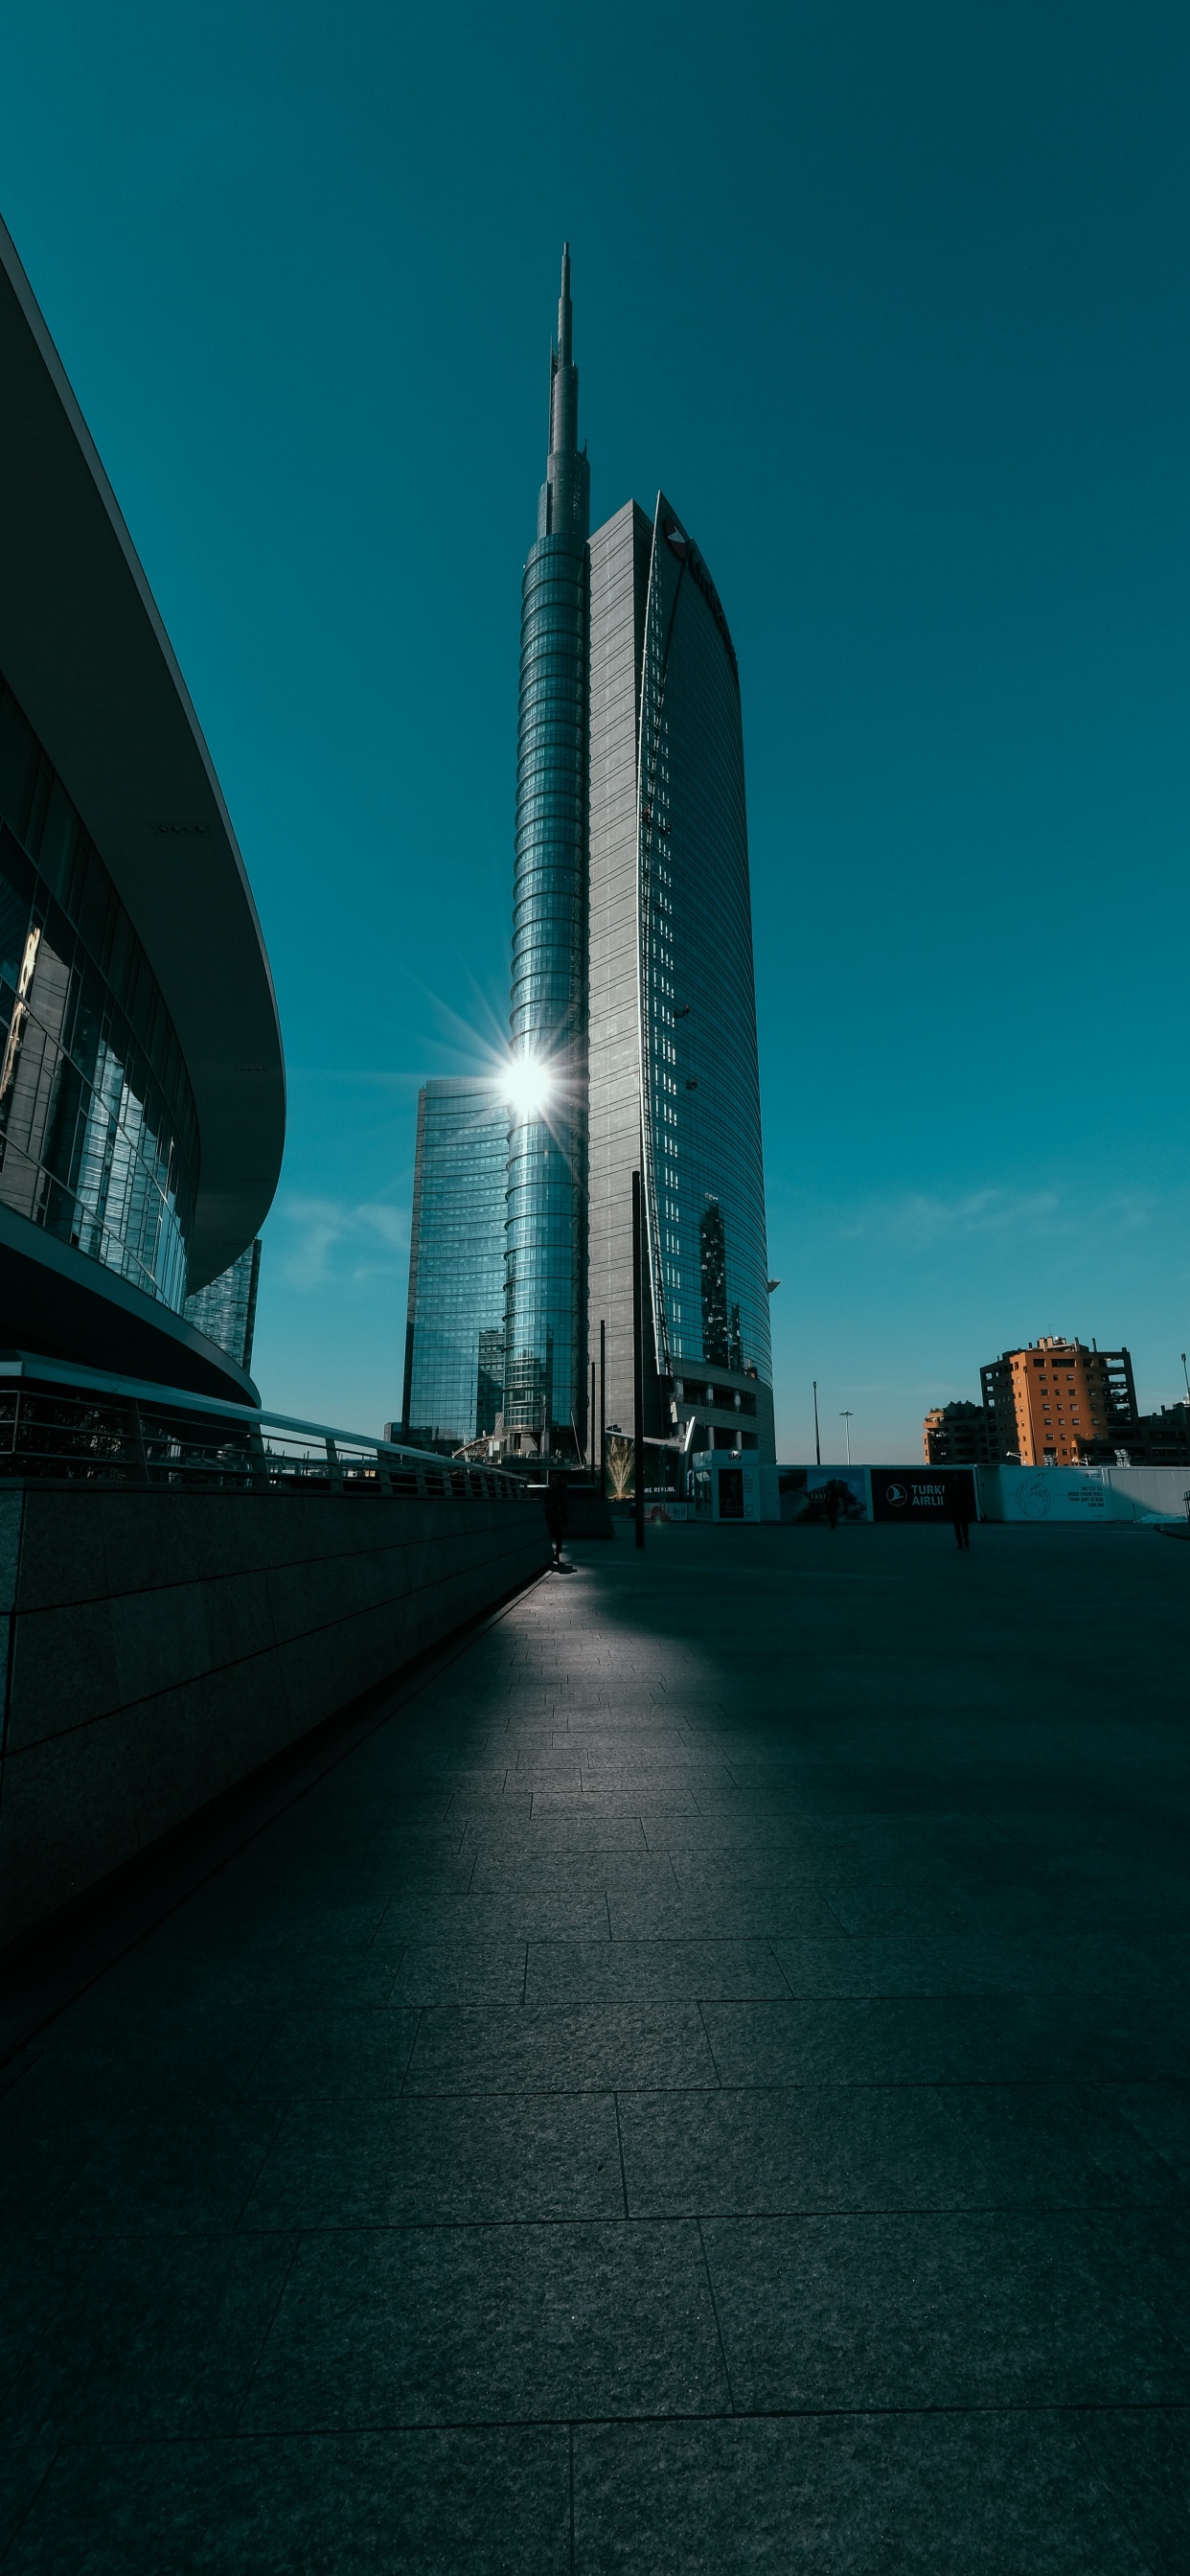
point(1152, 1440)
point(1049, 1396)
point(226, 1310)
point(674, 1087)
point(454, 1330)
point(545, 1340)
point(960, 1435)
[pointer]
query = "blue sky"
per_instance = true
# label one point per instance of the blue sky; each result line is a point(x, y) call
point(892, 301)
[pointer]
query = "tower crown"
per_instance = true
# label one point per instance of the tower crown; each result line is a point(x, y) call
point(564, 508)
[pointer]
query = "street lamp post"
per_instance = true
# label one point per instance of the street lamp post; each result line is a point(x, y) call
point(845, 1419)
point(817, 1441)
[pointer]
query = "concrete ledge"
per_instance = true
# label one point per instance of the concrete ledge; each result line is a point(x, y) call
point(164, 1646)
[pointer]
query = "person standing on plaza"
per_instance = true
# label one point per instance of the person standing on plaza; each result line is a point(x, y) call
point(556, 1514)
point(960, 1511)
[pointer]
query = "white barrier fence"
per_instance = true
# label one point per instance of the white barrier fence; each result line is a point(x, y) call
point(1034, 1496)
point(1089, 1494)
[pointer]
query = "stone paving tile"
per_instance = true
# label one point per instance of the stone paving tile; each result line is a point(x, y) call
point(761, 1914)
point(365, 2504)
point(856, 2495)
point(1065, 2146)
point(946, 2039)
point(184, 2170)
point(639, 1971)
point(549, 1872)
point(23, 2469)
point(519, 1915)
point(595, 2047)
point(837, 2147)
point(962, 1963)
point(944, 2310)
point(330, 2051)
point(156, 2336)
point(460, 1971)
point(441, 2325)
point(1142, 2458)
point(436, 2160)
point(37, 2275)
point(1161, 2113)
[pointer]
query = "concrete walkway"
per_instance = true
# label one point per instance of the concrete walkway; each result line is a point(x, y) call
point(700, 2089)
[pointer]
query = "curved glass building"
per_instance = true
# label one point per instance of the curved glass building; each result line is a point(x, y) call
point(142, 1098)
point(545, 1339)
point(454, 1323)
point(674, 1085)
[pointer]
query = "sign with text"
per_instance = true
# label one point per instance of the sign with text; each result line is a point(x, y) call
point(922, 1493)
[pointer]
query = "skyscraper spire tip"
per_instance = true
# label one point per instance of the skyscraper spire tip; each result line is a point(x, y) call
point(565, 318)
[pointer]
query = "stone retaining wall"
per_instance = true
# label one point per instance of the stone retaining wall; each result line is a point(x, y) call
point(163, 1646)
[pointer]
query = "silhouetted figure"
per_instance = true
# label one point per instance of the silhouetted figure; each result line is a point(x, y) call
point(832, 1502)
point(960, 1511)
point(557, 1514)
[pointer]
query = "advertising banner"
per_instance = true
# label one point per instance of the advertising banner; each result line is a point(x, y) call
point(920, 1493)
point(808, 1493)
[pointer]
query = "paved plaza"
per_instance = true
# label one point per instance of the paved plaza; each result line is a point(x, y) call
point(701, 2086)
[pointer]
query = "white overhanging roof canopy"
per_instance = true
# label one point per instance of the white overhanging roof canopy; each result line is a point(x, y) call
point(84, 650)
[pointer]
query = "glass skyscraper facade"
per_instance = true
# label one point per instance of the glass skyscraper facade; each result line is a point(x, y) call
point(98, 1133)
point(633, 1012)
point(545, 1339)
point(226, 1310)
point(674, 1086)
point(454, 1330)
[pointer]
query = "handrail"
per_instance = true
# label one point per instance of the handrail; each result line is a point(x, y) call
point(66, 1423)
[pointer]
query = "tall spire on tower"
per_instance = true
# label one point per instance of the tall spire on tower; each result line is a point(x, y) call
point(565, 311)
point(565, 504)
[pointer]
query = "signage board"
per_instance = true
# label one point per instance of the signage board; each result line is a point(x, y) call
point(920, 1493)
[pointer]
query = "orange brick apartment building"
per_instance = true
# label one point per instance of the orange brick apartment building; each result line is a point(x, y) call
point(1047, 1399)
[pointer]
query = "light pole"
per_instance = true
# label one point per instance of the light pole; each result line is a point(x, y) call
point(845, 1419)
point(1187, 1378)
point(817, 1441)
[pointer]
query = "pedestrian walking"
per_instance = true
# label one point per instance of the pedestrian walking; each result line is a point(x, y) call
point(960, 1511)
point(556, 1514)
point(832, 1502)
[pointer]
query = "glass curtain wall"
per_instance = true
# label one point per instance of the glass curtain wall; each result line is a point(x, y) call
point(701, 1090)
point(226, 1310)
point(545, 1375)
point(98, 1132)
point(454, 1331)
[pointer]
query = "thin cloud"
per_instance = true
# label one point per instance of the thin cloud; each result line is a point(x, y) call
point(334, 1239)
point(919, 1221)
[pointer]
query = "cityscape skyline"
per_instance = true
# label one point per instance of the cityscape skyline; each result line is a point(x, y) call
point(956, 577)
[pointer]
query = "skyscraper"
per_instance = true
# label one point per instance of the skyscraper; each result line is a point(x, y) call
point(674, 1086)
point(545, 1335)
point(454, 1331)
point(633, 1009)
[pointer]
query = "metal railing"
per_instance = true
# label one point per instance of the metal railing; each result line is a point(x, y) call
point(78, 1426)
